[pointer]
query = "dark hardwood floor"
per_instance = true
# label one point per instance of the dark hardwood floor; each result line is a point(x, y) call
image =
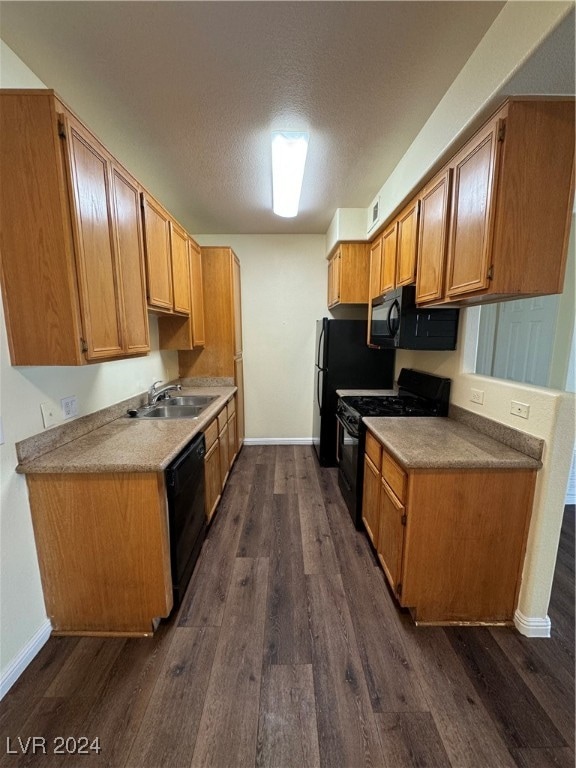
point(289, 651)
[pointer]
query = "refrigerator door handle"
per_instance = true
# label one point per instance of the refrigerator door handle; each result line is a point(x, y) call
point(320, 346)
point(320, 373)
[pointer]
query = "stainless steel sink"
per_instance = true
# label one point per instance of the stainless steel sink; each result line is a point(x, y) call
point(171, 412)
point(182, 407)
point(189, 400)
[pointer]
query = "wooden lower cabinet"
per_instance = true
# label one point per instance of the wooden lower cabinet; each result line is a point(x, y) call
point(372, 464)
point(452, 547)
point(103, 549)
point(221, 451)
point(212, 477)
point(390, 534)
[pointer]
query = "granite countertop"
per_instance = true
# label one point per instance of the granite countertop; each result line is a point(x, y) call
point(444, 443)
point(128, 444)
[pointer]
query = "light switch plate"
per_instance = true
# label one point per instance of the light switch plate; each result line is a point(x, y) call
point(519, 409)
point(49, 414)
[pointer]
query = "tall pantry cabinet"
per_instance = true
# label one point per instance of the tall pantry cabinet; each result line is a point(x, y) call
point(222, 355)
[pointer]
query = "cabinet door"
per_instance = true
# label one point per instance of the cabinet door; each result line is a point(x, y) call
point(390, 535)
point(224, 462)
point(473, 194)
point(130, 248)
point(239, 381)
point(237, 306)
point(375, 267)
point(232, 444)
point(197, 309)
point(433, 238)
point(370, 500)
point(388, 267)
point(180, 269)
point(158, 260)
point(212, 478)
point(407, 244)
point(96, 258)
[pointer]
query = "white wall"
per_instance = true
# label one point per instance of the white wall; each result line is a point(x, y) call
point(283, 294)
point(22, 613)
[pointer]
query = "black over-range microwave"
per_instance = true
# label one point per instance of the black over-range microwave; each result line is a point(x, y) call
point(397, 323)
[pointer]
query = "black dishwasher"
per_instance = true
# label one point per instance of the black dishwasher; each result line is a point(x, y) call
point(186, 514)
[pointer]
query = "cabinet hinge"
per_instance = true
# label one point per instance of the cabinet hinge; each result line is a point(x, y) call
point(403, 519)
point(502, 132)
point(83, 345)
point(399, 589)
point(61, 129)
point(490, 273)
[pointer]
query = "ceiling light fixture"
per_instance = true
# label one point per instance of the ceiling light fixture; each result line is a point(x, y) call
point(289, 150)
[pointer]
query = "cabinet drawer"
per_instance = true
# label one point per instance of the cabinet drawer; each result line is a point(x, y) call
point(222, 419)
point(394, 476)
point(373, 450)
point(211, 434)
point(231, 407)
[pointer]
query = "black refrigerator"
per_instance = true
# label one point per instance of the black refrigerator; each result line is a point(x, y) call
point(343, 361)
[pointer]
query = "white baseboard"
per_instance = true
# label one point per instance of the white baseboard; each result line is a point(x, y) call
point(277, 441)
point(19, 664)
point(531, 626)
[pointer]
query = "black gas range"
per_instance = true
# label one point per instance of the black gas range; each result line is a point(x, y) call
point(419, 394)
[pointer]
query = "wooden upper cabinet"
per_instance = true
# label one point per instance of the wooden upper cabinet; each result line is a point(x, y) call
point(96, 261)
point(349, 274)
point(130, 249)
point(158, 254)
point(473, 189)
point(433, 238)
point(407, 247)
point(180, 269)
point(176, 331)
point(388, 266)
point(334, 268)
point(511, 207)
point(72, 275)
point(198, 332)
point(375, 267)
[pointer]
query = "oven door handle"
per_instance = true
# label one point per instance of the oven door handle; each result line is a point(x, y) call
point(338, 428)
point(345, 427)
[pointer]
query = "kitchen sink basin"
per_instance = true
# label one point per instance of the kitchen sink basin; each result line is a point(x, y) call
point(172, 412)
point(182, 407)
point(189, 400)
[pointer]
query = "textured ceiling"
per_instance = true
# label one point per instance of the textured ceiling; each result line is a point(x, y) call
point(186, 93)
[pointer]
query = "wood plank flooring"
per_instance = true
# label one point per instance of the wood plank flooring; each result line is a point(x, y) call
point(289, 651)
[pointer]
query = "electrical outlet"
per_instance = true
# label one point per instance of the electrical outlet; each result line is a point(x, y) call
point(519, 409)
point(49, 414)
point(477, 396)
point(69, 406)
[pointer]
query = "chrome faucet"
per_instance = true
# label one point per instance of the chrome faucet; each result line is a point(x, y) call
point(160, 394)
